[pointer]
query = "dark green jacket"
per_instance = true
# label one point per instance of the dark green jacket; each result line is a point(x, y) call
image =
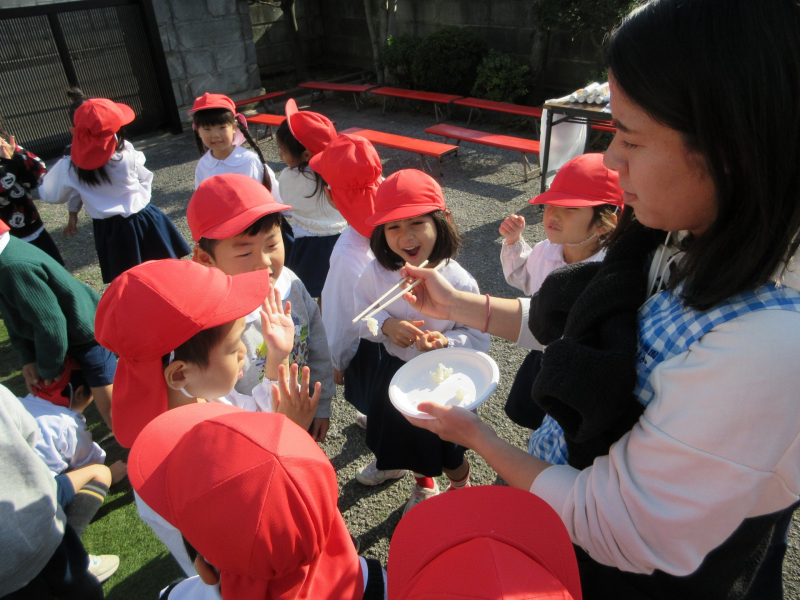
point(45, 309)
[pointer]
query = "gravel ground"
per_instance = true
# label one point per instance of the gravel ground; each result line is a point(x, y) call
point(482, 186)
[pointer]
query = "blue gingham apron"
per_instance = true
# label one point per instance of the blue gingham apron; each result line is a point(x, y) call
point(667, 328)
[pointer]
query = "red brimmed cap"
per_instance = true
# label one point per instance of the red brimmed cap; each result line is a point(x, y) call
point(94, 140)
point(487, 542)
point(208, 101)
point(254, 495)
point(406, 194)
point(313, 130)
point(54, 392)
point(352, 168)
point(223, 206)
point(583, 181)
point(4, 227)
point(150, 310)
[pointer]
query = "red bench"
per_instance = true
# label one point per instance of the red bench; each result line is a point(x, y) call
point(400, 142)
point(323, 87)
point(523, 146)
point(260, 99)
point(503, 107)
point(607, 128)
point(437, 99)
point(268, 121)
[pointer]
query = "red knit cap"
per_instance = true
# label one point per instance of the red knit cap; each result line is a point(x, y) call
point(150, 310)
point(255, 496)
point(406, 194)
point(94, 140)
point(352, 168)
point(313, 130)
point(486, 542)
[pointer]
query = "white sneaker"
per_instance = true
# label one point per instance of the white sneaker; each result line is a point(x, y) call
point(103, 566)
point(371, 475)
point(418, 494)
point(361, 420)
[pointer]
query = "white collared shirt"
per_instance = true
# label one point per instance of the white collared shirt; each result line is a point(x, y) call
point(241, 161)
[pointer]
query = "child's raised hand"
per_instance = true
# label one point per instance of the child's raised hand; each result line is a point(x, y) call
point(511, 228)
point(8, 148)
point(402, 333)
point(431, 340)
point(293, 400)
point(276, 324)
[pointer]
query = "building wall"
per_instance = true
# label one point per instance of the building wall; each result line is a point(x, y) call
point(273, 49)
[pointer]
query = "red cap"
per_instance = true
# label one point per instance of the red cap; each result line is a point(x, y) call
point(150, 310)
point(406, 194)
point(223, 206)
point(94, 140)
point(313, 130)
point(4, 227)
point(254, 495)
point(207, 101)
point(488, 542)
point(352, 168)
point(53, 392)
point(583, 181)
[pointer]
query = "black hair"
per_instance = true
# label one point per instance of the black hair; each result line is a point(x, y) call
point(445, 247)
point(265, 223)
point(76, 380)
point(223, 116)
point(197, 348)
point(285, 138)
point(76, 97)
point(189, 549)
point(691, 66)
point(603, 214)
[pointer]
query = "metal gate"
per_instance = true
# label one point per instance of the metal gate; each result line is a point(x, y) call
point(108, 48)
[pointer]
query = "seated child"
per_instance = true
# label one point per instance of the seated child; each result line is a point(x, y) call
point(580, 214)
point(236, 225)
point(262, 517)
point(177, 327)
point(49, 314)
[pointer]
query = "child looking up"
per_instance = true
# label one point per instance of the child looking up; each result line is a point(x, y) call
point(579, 216)
point(316, 224)
point(352, 168)
point(236, 225)
point(412, 225)
point(177, 327)
point(49, 316)
point(262, 517)
point(107, 175)
point(219, 132)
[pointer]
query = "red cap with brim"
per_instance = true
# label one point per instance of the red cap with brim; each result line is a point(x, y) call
point(254, 495)
point(313, 130)
point(406, 194)
point(583, 181)
point(223, 206)
point(352, 168)
point(54, 392)
point(150, 310)
point(97, 122)
point(208, 101)
point(460, 545)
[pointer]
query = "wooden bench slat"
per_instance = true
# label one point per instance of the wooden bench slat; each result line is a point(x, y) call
point(401, 142)
point(488, 139)
point(255, 99)
point(504, 107)
point(337, 87)
point(415, 95)
point(261, 119)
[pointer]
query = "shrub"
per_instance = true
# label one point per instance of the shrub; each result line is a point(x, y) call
point(447, 61)
point(398, 55)
point(501, 78)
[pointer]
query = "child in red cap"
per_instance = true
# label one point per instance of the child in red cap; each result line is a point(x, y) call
point(579, 216)
point(106, 175)
point(236, 224)
point(219, 132)
point(177, 328)
point(263, 518)
point(412, 225)
point(352, 168)
point(316, 224)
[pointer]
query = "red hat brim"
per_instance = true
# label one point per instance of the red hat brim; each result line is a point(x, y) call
point(402, 212)
point(208, 101)
point(236, 225)
point(569, 200)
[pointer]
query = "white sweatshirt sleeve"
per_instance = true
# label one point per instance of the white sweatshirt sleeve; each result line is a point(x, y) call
point(514, 259)
point(338, 307)
point(461, 336)
point(55, 188)
point(364, 294)
point(719, 443)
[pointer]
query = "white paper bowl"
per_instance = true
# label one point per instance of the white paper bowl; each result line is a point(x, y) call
point(473, 370)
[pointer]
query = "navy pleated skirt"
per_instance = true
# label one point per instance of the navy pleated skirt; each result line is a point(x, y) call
point(359, 374)
point(396, 443)
point(124, 242)
point(310, 259)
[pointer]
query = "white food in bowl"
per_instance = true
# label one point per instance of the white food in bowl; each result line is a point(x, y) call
point(440, 374)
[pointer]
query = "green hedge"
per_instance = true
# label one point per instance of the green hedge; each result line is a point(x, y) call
point(447, 61)
point(501, 78)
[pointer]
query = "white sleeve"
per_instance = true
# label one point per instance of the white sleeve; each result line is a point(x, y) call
point(276, 186)
point(55, 188)
point(463, 336)
point(143, 174)
point(365, 294)
point(526, 339)
point(260, 401)
point(85, 452)
point(514, 259)
point(338, 309)
point(719, 443)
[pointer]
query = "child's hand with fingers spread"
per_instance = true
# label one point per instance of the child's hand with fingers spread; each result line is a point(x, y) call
point(511, 228)
point(278, 331)
point(402, 333)
point(431, 340)
point(293, 400)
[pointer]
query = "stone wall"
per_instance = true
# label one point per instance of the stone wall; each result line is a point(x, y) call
point(273, 49)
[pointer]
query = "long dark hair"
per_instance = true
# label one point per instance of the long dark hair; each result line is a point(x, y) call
point(725, 74)
point(222, 116)
point(445, 247)
point(293, 146)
